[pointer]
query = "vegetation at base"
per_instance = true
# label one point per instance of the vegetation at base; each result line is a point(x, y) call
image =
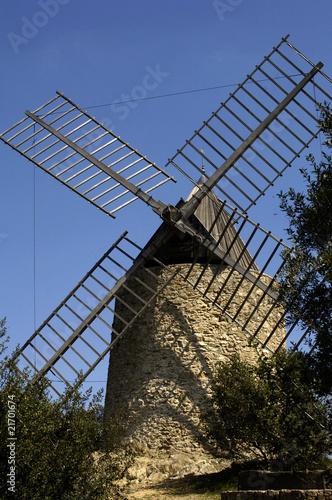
point(66, 451)
point(269, 411)
point(306, 279)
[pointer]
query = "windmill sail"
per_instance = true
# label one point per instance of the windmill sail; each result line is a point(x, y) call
point(247, 144)
point(245, 155)
point(77, 150)
point(81, 330)
point(245, 282)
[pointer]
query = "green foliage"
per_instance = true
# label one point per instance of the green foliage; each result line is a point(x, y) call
point(306, 280)
point(269, 411)
point(62, 452)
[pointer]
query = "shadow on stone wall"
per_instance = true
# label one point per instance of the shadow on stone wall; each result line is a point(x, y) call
point(162, 369)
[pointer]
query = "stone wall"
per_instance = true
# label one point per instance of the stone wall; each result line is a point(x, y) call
point(278, 495)
point(161, 370)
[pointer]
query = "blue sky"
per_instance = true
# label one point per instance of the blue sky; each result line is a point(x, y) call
point(99, 53)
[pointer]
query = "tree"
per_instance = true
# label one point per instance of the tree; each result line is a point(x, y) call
point(280, 410)
point(306, 279)
point(56, 451)
point(269, 411)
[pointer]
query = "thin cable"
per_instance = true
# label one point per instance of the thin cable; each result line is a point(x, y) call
point(180, 93)
point(176, 93)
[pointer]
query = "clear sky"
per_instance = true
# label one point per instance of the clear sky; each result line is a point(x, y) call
point(99, 53)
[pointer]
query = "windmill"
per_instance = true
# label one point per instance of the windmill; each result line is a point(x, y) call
point(207, 249)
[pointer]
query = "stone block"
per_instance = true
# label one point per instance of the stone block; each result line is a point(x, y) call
point(265, 480)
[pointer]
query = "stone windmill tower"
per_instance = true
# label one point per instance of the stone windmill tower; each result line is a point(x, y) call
point(160, 372)
point(206, 280)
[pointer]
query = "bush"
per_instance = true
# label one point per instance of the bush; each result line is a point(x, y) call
point(268, 411)
point(60, 451)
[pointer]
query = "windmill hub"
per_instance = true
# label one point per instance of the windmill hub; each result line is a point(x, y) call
point(171, 214)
